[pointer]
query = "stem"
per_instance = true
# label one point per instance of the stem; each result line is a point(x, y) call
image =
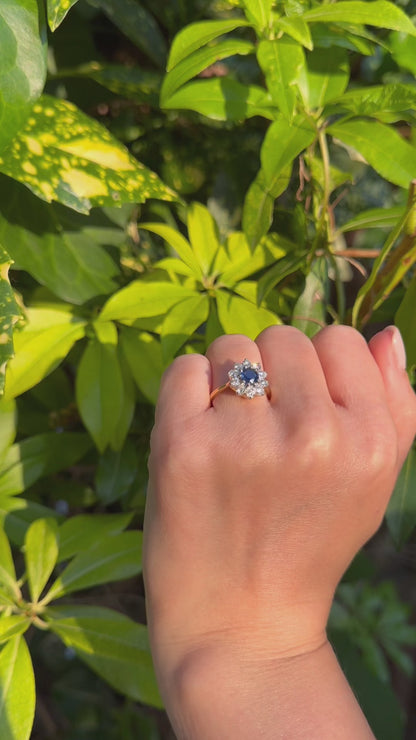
point(324, 232)
point(339, 287)
point(323, 145)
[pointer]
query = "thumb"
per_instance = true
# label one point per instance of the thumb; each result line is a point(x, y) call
point(389, 353)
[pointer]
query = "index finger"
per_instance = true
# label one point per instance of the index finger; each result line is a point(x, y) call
point(185, 388)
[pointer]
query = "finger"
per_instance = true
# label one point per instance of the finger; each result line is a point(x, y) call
point(223, 354)
point(185, 388)
point(295, 373)
point(388, 351)
point(352, 376)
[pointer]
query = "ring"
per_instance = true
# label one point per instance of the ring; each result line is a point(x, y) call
point(246, 379)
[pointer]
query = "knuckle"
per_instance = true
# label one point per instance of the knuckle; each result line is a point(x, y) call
point(316, 443)
point(226, 342)
point(342, 333)
point(379, 448)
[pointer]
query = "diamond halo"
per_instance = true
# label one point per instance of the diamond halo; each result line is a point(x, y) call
point(248, 379)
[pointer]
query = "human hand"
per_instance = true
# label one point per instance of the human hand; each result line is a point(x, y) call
point(256, 507)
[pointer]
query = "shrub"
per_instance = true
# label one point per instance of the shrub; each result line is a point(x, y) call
point(170, 172)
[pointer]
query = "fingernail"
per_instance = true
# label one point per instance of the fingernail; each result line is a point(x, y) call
point(398, 347)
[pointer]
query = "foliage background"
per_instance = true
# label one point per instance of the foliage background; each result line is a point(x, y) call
point(162, 183)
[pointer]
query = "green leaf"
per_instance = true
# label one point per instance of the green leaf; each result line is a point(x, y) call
point(139, 25)
point(33, 458)
point(242, 261)
point(23, 65)
point(17, 691)
point(41, 554)
point(115, 473)
point(81, 532)
point(178, 242)
point(346, 36)
point(62, 154)
point(295, 27)
point(259, 12)
point(390, 266)
point(259, 203)
point(40, 347)
point(374, 218)
point(114, 559)
point(198, 61)
point(378, 700)
point(281, 61)
point(379, 13)
point(222, 99)
point(383, 148)
point(57, 10)
point(377, 100)
point(181, 322)
point(7, 426)
point(9, 315)
point(195, 35)
point(18, 514)
point(325, 76)
point(203, 235)
point(99, 387)
point(239, 316)
point(133, 83)
point(113, 645)
point(12, 626)
point(282, 269)
point(122, 426)
point(405, 321)
point(403, 49)
point(283, 142)
point(174, 265)
point(140, 299)
point(309, 313)
point(57, 251)
point(143, 353)
point(7, 571)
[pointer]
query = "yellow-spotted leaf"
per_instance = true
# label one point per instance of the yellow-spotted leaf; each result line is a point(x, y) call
point(40, 347)
point(57, 10)
point(22, 64)
point(64, 155)
point(9, 315)
point(17, 691)
point(55, 246)
point(8, 422)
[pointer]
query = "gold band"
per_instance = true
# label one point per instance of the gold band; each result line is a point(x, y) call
point(218, 390)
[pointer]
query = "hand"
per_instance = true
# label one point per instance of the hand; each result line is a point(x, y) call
point(256, 507)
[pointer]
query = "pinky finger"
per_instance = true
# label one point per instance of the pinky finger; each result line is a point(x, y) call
point(388, 351)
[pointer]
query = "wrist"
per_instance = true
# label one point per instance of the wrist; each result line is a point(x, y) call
point(231, 689)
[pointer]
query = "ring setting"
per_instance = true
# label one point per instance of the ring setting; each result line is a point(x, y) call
point(246, 379)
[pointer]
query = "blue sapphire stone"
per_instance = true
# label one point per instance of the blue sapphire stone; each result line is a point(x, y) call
point(249, 375)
